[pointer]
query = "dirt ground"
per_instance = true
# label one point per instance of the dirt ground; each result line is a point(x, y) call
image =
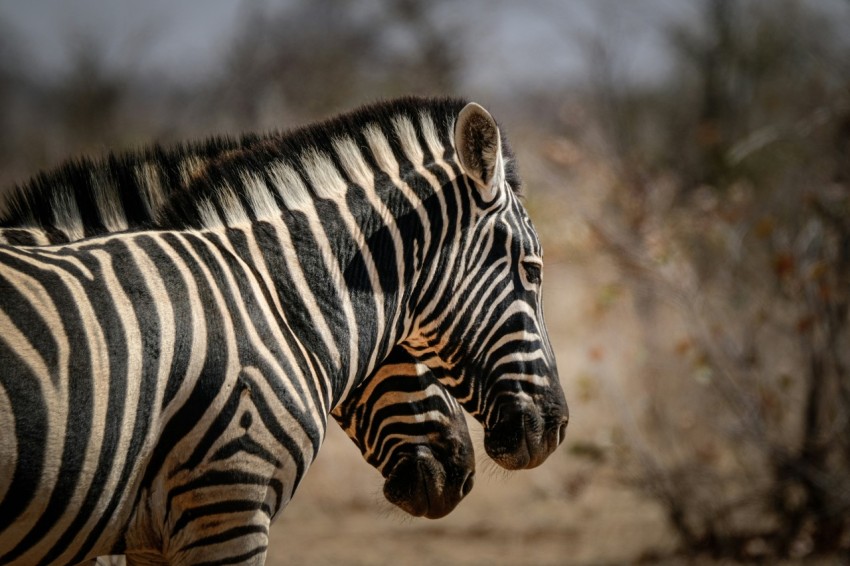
point(571, 510)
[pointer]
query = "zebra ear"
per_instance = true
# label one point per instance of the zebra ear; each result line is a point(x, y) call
point(479, 148)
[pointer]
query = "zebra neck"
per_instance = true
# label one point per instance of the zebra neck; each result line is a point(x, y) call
point(345, 312)
point(350, 299)
point(345, 236)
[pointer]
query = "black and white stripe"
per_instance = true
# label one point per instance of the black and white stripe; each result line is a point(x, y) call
point(280, 281)
point(88, 197)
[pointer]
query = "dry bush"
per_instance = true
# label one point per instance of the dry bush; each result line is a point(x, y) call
point(729, 217)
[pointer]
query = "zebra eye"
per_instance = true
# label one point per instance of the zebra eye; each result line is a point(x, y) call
point(533, 272)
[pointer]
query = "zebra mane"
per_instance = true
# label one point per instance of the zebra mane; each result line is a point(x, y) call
point(319, 160)
point(214, 181)
point(85, 196)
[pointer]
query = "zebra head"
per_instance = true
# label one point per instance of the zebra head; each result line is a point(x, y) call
point(486, 327)
point(409, 428)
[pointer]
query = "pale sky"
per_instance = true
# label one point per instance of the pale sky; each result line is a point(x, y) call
point(516, 42)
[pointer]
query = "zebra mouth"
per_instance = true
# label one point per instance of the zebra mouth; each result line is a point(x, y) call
point(522, 439)
point(420, 485)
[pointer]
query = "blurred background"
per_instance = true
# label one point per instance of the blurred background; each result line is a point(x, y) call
point(688, 167)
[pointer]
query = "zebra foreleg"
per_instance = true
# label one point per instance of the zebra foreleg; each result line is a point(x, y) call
point(121, 560)
point(114, 560)
point(248, 549)
point(225, 522)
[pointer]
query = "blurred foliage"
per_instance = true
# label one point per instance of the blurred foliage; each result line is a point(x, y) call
point(731, 200)
point(355, 52)
point(285, 65)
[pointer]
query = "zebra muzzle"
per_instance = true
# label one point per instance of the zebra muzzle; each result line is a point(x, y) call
point(423, 486)
point(522, 438)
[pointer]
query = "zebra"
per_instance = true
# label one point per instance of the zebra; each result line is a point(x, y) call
point(404, 219)
point(423, 449)
point(420, 443)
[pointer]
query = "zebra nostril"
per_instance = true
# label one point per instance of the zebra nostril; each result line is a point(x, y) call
point(562, 432)
point(467, 484)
